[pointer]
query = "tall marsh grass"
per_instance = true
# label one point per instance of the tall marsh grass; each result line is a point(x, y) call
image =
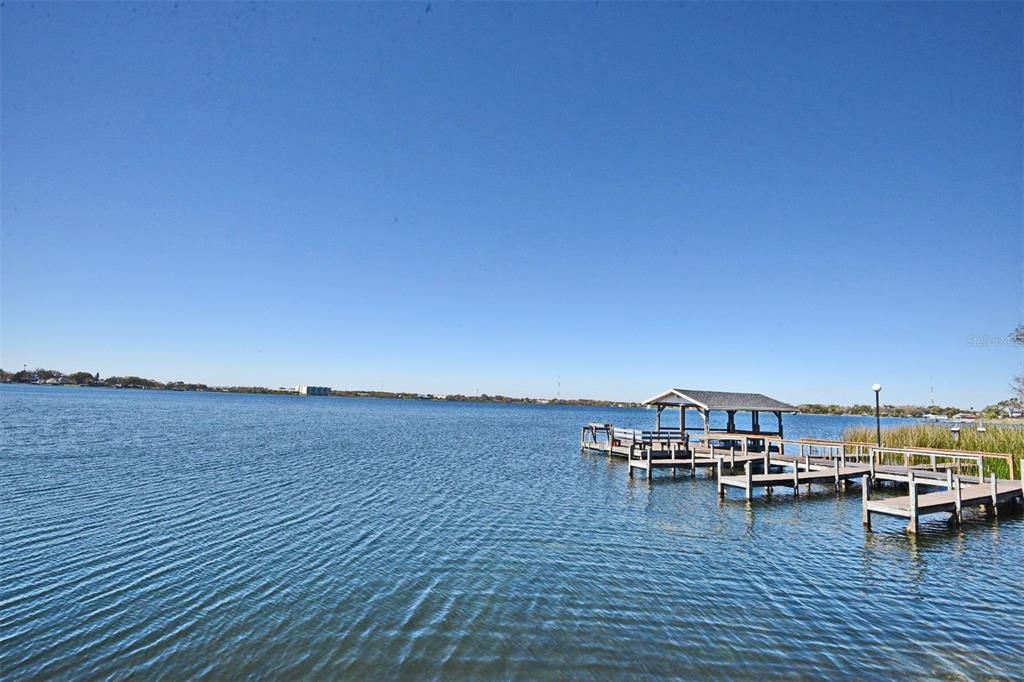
point(997, 439)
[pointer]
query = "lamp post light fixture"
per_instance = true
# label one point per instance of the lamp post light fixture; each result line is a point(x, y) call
point(877, 388)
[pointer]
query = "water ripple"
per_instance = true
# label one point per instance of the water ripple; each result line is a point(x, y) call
point(199, 535)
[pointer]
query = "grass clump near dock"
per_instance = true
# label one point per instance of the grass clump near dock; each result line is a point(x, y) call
point(1004, 440)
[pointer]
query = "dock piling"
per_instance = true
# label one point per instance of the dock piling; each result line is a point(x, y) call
point(865, 486)
point(912, 526)
point(995, 495)
point(958, 501)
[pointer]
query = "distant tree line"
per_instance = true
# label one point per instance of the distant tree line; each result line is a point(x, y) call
point(884, 410)
point(481, 398)
point(52, 376)
point(41, 376)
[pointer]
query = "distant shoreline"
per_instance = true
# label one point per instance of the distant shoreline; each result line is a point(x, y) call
point(261, 390)
point(137, 383)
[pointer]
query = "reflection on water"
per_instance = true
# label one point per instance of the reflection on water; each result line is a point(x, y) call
point(230, 536)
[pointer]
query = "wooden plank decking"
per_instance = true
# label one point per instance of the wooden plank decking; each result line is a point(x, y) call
point(766, 464)
point(991, 495)
point(749, 480)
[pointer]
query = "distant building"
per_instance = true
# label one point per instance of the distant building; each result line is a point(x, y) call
point(314, 390)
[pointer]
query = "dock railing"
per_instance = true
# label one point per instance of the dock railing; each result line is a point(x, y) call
point(964, 462)
point(590, 434)
point(843, 449)
point(991, 462)
point(602, 433)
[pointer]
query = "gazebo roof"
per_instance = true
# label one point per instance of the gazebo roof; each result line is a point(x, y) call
point(719, 400)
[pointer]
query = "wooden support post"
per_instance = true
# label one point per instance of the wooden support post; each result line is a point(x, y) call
point(995, 495)
point(865, 485)
point(958, 500)
point(693, 464)
point(871, 465)
point(836, 463)
point(981, 469)
point(750, 481)
point(721, 488)
point(934, 465)
point(732, 456)
point(912, 526)
point(949, 479)
point(796, 478)
point(807, 462)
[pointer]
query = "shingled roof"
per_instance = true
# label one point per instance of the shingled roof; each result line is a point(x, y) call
point(719, 400)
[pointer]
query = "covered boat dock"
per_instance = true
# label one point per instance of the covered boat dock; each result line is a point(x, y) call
point(669, 441)
point(707, 402)
point(761, 455)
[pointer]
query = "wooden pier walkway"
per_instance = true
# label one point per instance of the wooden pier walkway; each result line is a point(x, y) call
point(954, 500)
point(768, 461)
point(815, 474)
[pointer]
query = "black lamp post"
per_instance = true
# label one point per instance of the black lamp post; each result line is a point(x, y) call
point(877, 388)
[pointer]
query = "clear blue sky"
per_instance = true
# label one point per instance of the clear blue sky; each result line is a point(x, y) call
point(792, 198)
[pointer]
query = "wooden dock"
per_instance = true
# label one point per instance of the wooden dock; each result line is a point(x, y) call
point(954, 500)
point(937, 480)
point(687, 460)
point(834, 475)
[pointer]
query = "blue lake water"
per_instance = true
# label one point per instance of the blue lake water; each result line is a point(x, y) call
point(155, 534)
